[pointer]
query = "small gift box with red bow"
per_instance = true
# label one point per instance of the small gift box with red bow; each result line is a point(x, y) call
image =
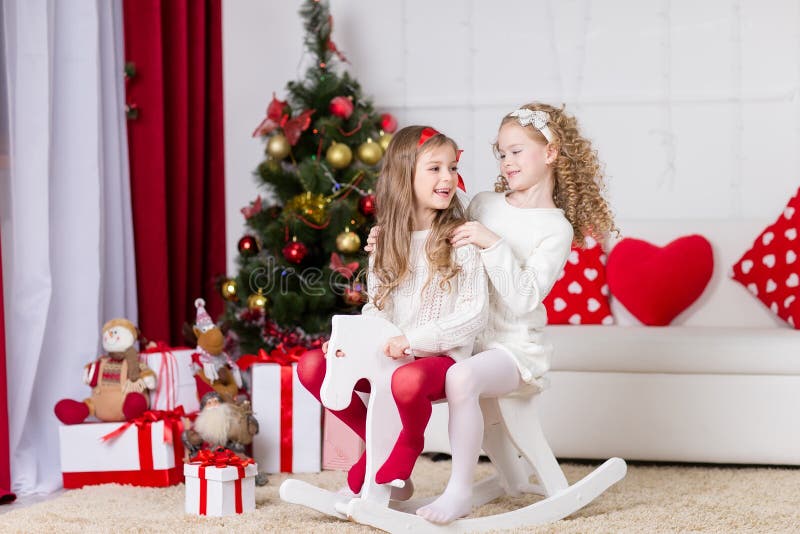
point(289, 417)
point(220, 483)
point(146, 451)
point(176, 385)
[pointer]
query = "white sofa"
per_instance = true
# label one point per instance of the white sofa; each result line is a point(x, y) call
point(720, 385)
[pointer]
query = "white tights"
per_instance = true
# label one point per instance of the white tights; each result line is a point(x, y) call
point(491, 373)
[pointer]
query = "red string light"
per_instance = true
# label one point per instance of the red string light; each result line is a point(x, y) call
point(357, 128)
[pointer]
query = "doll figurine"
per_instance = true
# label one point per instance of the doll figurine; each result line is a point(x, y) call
point(119, 381)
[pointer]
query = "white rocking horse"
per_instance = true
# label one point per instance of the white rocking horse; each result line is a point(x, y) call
point(513, 440)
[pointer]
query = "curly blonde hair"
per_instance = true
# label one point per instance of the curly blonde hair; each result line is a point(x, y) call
point(579, 184)
point(394, 198)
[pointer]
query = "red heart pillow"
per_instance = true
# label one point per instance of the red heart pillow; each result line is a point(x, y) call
point(656, 283)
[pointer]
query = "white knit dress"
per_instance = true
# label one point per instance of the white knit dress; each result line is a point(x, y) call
point(436, 321)
point(522, 268)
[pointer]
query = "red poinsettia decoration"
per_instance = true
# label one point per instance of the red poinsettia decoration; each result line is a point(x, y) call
point(277, 118)
point(273, 118)
point(292, 128)
point(345, 269)
point(253, 209)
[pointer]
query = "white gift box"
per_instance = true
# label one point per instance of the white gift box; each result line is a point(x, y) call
point(219, 491)
point(302, 418)
point(138, 456)
point(176, 384)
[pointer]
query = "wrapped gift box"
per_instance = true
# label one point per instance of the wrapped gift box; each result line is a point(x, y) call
point(290, 421)
point(176, 385)
point(140, 455)
point(341, 447)
point(220, 491)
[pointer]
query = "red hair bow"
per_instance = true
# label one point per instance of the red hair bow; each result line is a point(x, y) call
point(426, 134)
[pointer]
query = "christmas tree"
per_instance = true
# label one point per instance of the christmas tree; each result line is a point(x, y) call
point(300, 261)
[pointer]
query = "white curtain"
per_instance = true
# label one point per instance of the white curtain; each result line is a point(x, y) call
point(65, 213)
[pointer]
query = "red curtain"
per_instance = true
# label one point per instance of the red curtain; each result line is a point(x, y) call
point(5, 452)
point(176, 158)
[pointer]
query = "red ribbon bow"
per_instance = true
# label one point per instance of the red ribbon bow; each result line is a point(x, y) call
point(221, 457)
point(426, 134)
point(279, 355)
point(172, 419)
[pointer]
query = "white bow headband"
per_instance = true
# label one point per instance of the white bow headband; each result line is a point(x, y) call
point(538, 119)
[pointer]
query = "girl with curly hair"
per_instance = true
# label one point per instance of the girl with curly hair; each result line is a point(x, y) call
point(417, 280)
point(549, 194)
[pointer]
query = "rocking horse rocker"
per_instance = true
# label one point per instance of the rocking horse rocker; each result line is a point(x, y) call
point(513, 440)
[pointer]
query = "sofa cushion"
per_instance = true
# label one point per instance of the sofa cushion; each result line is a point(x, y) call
point(675, 349)
point(770, 269)
point(580, 295)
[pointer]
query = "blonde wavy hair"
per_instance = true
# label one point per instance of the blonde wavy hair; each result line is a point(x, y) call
point(578, 176)
point(394, 197)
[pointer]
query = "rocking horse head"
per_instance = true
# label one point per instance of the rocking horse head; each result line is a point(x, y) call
point(355, 351)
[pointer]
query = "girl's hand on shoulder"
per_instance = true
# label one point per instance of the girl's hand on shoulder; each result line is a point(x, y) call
point(473, 233)
point(396, 347)
point(372, 238)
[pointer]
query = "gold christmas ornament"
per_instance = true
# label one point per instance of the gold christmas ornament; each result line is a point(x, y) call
point(310, 206)
point(278, 146)
point(228, 289)
point(348, 242)
point(257, 301)
point(339, 155)
point(370, 153)
point(384, 140)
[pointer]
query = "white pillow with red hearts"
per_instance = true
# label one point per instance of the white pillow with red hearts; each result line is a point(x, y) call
point(580, 295)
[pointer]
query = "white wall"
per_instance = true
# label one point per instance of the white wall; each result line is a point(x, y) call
point(693, 106)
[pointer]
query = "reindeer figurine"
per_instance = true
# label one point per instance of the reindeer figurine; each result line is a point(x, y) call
point(216, 371)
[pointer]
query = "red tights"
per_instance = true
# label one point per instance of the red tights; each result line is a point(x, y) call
point(414, 387)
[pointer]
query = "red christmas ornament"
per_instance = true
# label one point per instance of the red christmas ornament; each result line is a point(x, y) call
point(388, 123)
point(341, 106)
point(367, 205)
point(248, 245)
point(295, 252)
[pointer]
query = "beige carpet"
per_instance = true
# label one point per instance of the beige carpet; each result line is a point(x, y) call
point(650, 499)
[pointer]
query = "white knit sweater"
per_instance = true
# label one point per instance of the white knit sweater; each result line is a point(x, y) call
point(522, 268)
point(436, 321)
